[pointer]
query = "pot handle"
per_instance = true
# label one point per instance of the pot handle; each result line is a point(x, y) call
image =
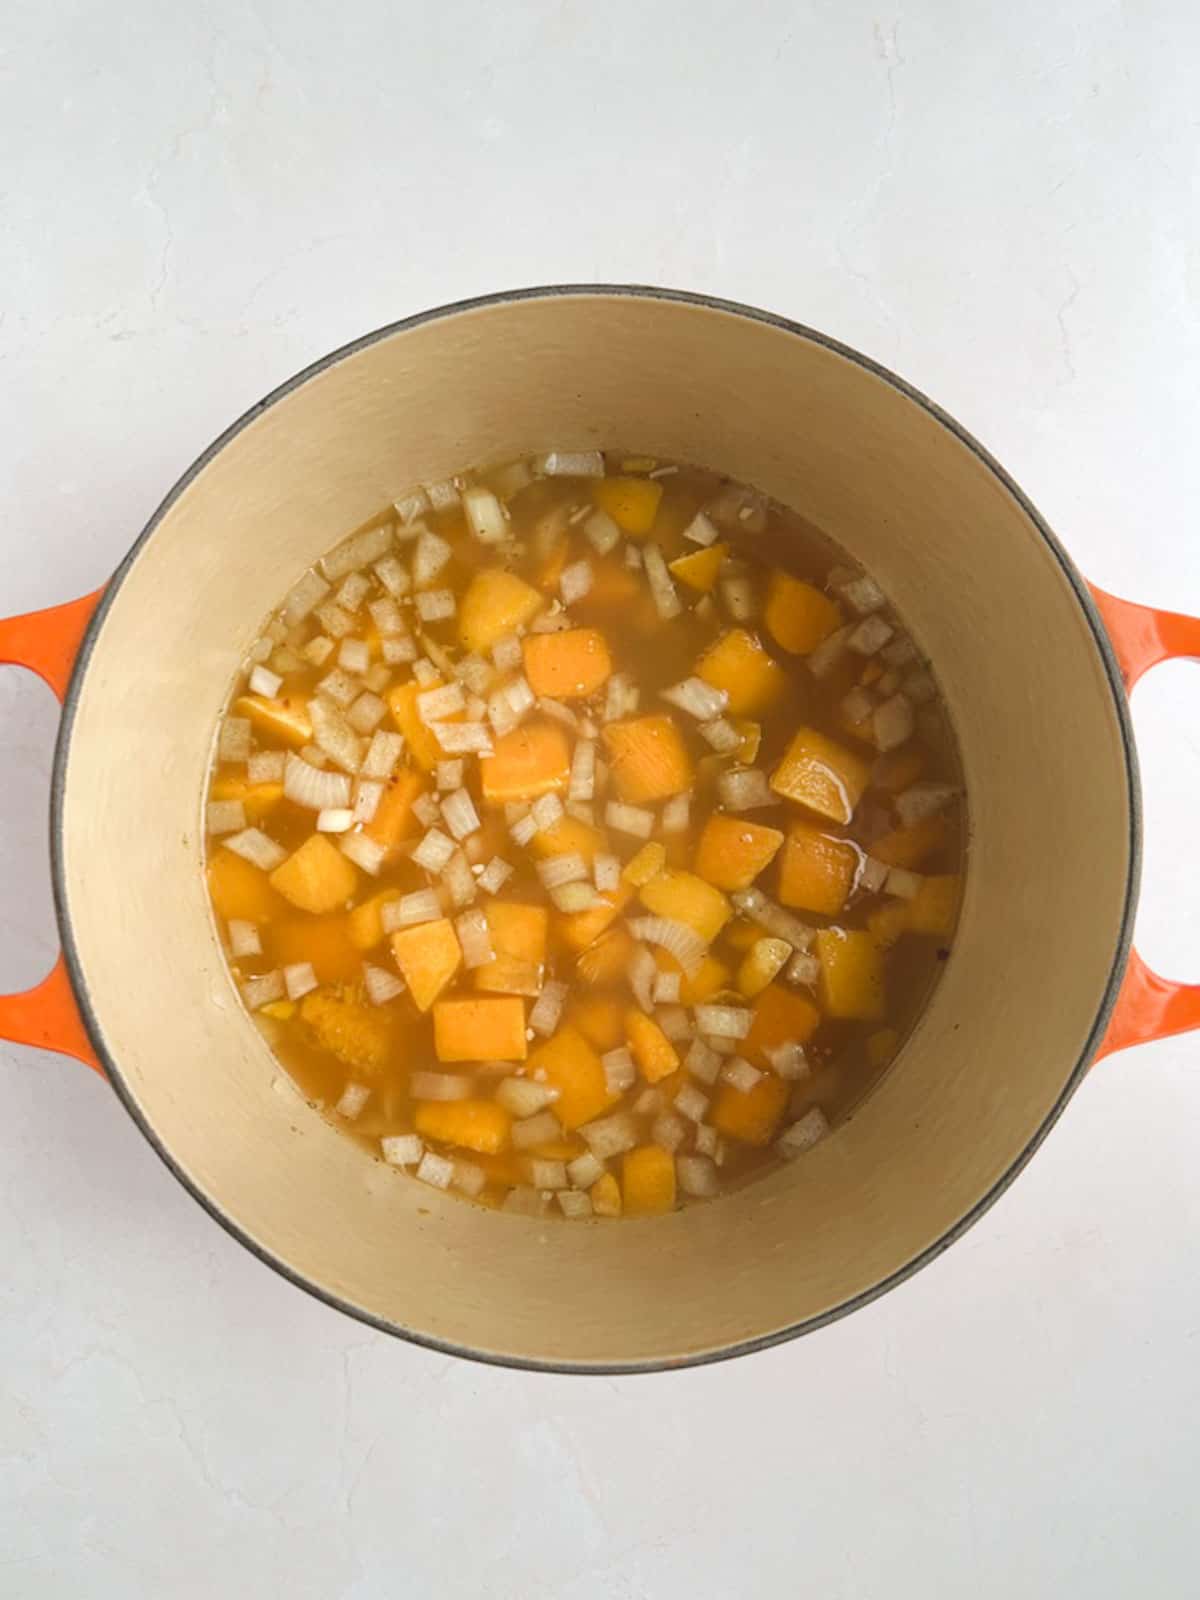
point(1148, 1007)
point(47, 642)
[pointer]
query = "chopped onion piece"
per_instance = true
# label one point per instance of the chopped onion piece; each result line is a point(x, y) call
point(739, 597)
point(572, 897)
point(804, 969)
point(676, 938)
point(336, 622)
point(722, 735)
point(318, 651)
point(922, 800)
point(774, 919)
point(353, 591)
point(801, 1136)
point(525, 1202)
point(435, 605)
point(633, 558)
point(314, 757)
point(468, 1179)
point(433, 852)
point(334, 735)
point(662, 586)
point(571, 464)
point(582, 811)
point(574, 1204)
point(668, 1131)
point(262, 991)
point(919, 687)
point(429, 558)
point(243, 938)
point(335, 819)
point(381, 985)
point(412, 505)
point(585, 1170)
point(523, 829)
point(567, 868)
point(312, 788)
point(601, 532)
point(383, 753)
point(425, 809)
point(620, 1071)
point(620, 697)
point(745, 789)
point(501, 714)
point(789, 1060)
point(548, 1009)
point(459, 813)
point(642, 971)
point(267, 766)
point(474, 672)
point(506, 653)
point(402, 1149)
point(520, 697)
point(861, 594)
point(708, 1143)
point(610, 1136)
point(434, 704)
point(494, 876)
point(559, 712)
point(676, 814)
point(547, 1174)
point(235, 740)
point(385, 614)
point(740, 1075)
point(546, 810)
point(359, 550)
point(702, 1061)
point(353, 1098)
point(364, 852)
point(459, 879)
point(439, 1086)
point(256, 847)
point(306, 594)
point(899, 652)
point(858, 705)
point(224, 816)
point(575, 581)
point(424, 671)
point(606, 872)
point(442, 495)
point(474, 938)
point(435, 1170)
point(339, 687)
point(648, 1102)
point(872, 875)
point(697, 1176)
point(449, 775)
point(583, 770)
point(871, 634)
point(299, 979)
point(892, 722)
point(265, 682)
point(555, 620)
point(666, 988)
point(634, 820)
point(673, 1020)
point(485, 515)
point(464, 738)
point(724, 1022)
point(539, 1129)
point(394, 576)
point(690, 1103)
point(367, 712)
point(523, 1097)
point(700, 530)
point(903, 884)
point(397, 651)
point(697, 698)
point(829, 652)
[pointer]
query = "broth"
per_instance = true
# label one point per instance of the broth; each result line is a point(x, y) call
point(585, 834)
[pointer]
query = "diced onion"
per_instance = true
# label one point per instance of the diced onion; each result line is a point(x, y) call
point(721, 735)
point(789, 1060)
point(412, 505)
point(861, 594)
point(739, 597)
point(464, 738)
point(318, 651)
point(745, 789)
point(299, 979)
point(394, 576)
point(306, 594)
point(899, 652)
point(673, 1019)
point(546, 811)
point(439, 1086)
point(697, 1176)
point(315, 790)
point(574, 1204)
point(244, 938)
point(582, 811)
point(430, 556)
point(676, 938)
point(267, 766)
point(474, 938)
point(253, 845)
point(725, 1022)
point(474, 672)
point(690, 1103)
point(367, 795)
point(701, 530)
point(662, 586)
point(539, 1129)
point(500, 713)
point(668, 1131)
point(573, 897)
point(433, 852)
point(469, 1179)
point(398, 651)
point(435, 1170)
point(506, 653)
point(575, 581)
point(606, 872)
point(367, 712)
point(858, 705)
point(436, 605)
point(872, 875)
point(571, 464)
point(365, 852)
point(702, 1061)
point(459, 879)
point(235, 740)
point(450, 775)
point(892, 722)
point(446, 701)
point(485, 515)
point(903, 884)
point(601, 532)
point(634, 820)
point(802, 1135)
point(353, 1098)
point(583, 770)
point(548, 1008)
point(648, 1102)
point(676, 814)
point(774, 919)
point(922, 800)
point(339, 687)
point(871, 634)
point(829, 652)
point(359, 550)
point(523, 1097)
point(336, 622)
point(642, 971)
point(522, 829)
point(262, 991)
point(443, 495)
point(353, 591)
point(708, 1143)
point(919, 687)
point(224, 816)
point(553, 620)
point(525, 1202)
point(381, 985)
point(621, 697)
point(697, 698)
point(585, 1170)
point(610, 1136)
point(333, 734)
point(633, 558)
point(263, 681)
point(547, 1174)
point(494, 876)
point(559, 712)
point(425, 809)
point(459, 813)
point(385, 614)
point(567, 868)
point(336, 819)
point(740, 1075)
point(666, 988)
point(402, 1149)
point(804, 969)
point(620, 1071)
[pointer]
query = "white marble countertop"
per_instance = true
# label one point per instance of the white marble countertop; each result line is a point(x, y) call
point(997, 201)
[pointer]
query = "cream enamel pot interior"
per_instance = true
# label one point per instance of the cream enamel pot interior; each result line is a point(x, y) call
point(1033, 989)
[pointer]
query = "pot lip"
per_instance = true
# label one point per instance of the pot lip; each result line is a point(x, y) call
point(1124, 930)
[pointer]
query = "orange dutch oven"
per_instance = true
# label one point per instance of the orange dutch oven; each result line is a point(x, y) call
point(1035, 666)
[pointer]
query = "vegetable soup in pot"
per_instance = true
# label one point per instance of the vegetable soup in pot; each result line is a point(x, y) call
point(585, 834)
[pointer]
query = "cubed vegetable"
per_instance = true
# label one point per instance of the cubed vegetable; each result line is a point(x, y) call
point(496, 602)
point(740, 665)
point(751, 1115)
point(361, 1036)
point(532, 760)
point(240, 890)
point(470, 1029)
point(566, 836)
point(317, 877)
point(852, 983)
point(393, 819)
point(632, 503)
point(821, 775)
point(324, 942)
point(797, 615)
point(910, 845)
point(683, 897)
point(699, 570)
point(649, 759)
point(933, 909)
point(606, 1196)
point(648, 1181)
point(470, 1124)
point(428, 957)
point(578, 930)
point(781, 1016)
point(257, 799)
point(285, 718)
point(607, 961)
point(816, 871)
point(600, 1018)
point(732, 852)
point(652, 1050)
point(568, 1063)
point(421, 741)
point(569, 665)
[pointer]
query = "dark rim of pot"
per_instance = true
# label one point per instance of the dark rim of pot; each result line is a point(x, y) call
point(1108, 999)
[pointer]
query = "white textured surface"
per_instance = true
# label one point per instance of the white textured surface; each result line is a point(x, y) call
point(999, 202)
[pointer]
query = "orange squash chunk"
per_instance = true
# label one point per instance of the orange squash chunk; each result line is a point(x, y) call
point(851, 983)
point(606, 961)
point(323, 941)
point(471, 1124)
point(317, 877)
point(393, 819)
point(699, 570)
point(286, 718)
point(888, 922)
point(908, 846)
point(518, 935)
point(419, 737)
point(568, 665)
point(566, 835)
point(709, 978)
point(365, 923)
point(358, 1035)
point(652, 1050)
point(257, 798)
point(632, 503)
point(468, 1029)
point(600, 1018)
point(648, 758)
point(648, 1181)
point(240, 890)
point(781, 1016)
point(606, 1196)
point(569, 1064)
point(428, 956)
point(738, 664)
point(751, 1115)
point(822, 776)
point(933, 908)
point(816, 872)
point(531, 760)
point(683, 897)
point(798, 616)
point(580, 928)
point(496, 602)
point(731, 852)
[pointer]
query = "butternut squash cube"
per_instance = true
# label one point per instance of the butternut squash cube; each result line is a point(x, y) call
point(648, 758)
point(366, 921)
point(685, 898)
point(428, 956)
point(531, 760)
point(359, 1035)
point(566, 835)
point(648, 1181)
point(323, 941)
point(632, 503)
point(317, 877)
point(908, 846)
point(580, 928)
point(731, 852)
point(751, 1115)
point(466, 1029)
point(606, 1196)
point(821, 776)
point(816, 872)
point(933, 908)
point(240, 890)
point(419, 737)
point(471, 1124)
point(393, 819)
point(851, 985)
point(699, 570)
point(496, 602)
point(286, 718)
point(257, 798)
point(518, 936)
point(740, 665)
point(600, 1018)
point(797, 615)
point(607, 961)
point(652, 1050)
point(781, 1016)
point(567, 666)
point(568, 1063)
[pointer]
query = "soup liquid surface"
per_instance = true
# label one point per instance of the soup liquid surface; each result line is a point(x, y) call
point(585, 841)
